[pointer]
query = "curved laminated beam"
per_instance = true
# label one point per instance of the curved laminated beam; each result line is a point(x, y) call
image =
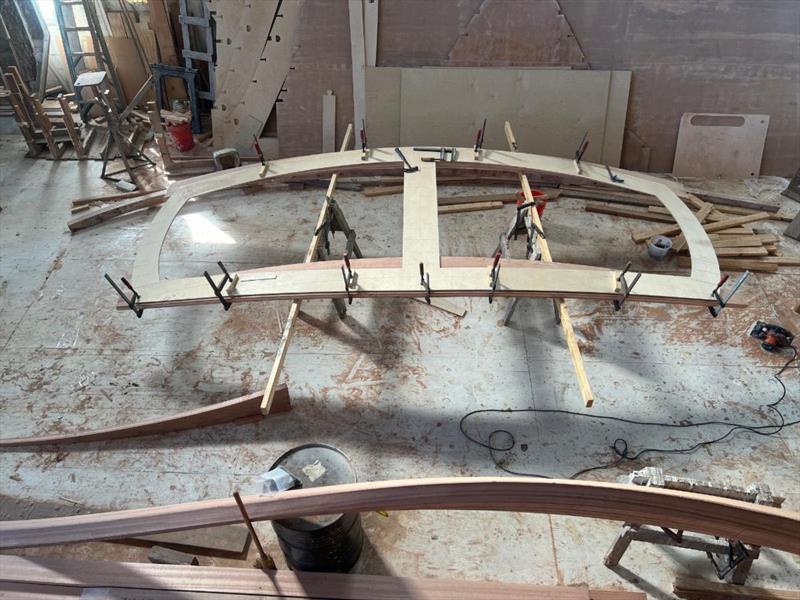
point(216, 414)
point(750, 523)
point(421, 240)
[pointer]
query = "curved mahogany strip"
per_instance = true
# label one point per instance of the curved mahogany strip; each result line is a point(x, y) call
point(222, 412)
point(751, 523)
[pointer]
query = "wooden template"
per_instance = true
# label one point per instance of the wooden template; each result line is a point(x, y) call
point(415, 107)
point(720, 146)
point(183, 580)
point(215, 414)
point(751, 523)
point(383, 278)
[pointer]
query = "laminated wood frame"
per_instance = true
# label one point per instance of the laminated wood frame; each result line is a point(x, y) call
point(400, 276)
point(735, 519)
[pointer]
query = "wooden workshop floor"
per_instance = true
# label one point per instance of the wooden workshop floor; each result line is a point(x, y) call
point(388, 385)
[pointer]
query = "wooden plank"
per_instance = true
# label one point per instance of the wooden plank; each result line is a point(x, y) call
point(705, 141)
point(105, 213)
point(701, 215)
point(469, 207)
point(563, 314)
point(631, 213)
point(736, 264)
point(112, 197)
point(294, 310)
point(736, 241)
point(215, 414)
point(711, 227)
point(370, 32)
point(357, 56)
point(184, 581)
point(751, 523)
point(505, 198)
point(225, 539)
point(328, 122)
point(698, 589)
point(729, 200)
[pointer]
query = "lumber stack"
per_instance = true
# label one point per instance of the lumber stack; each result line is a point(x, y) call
point(727, 221)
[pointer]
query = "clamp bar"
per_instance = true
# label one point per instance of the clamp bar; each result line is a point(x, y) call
point(408, 168)
point(723, 302)
point(133, 301)
point(614, 178)
point(479, 140)
point(364, 147)
point(425, 281)
point(626, 289)
point(226, 304)
point(579, 152)
point(494, 276)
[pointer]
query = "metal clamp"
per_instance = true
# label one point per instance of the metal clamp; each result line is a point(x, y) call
point(425, 281)
point(408, 168)
point(364, 147)
point(218, 289)
point(479, 140)
point(626, 289)
point(737, 553)
point(349, 277)
point(494, 276)
point(443, 152)
point(614, 178)
point(133, 301)
point(579, 152)
point(723, 302)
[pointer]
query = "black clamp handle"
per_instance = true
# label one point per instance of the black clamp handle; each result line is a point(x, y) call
point(625, 287)
point(133, 301)
point(349, 277)
point(494, 276)
point(218, 289)
point(425, 281)
point(723, 302)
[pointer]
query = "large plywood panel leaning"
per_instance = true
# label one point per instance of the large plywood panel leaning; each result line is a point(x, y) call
point(722, 146)
point(551, 108)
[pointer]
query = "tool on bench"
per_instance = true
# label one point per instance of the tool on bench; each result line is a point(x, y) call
point(350, 277)
point(614, 178)
point(408, 168)
point(723, 302)
point(773, 337)
point(425, 281)
point(133, 301)
point(479, 140)
point(364, 147)
point(624, 287)
point(580, 152)
point(264, 165)
point(443, 152)
point(494, 275)
point(218, 289)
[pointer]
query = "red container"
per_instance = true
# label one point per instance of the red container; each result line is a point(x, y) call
point(181, 135)
point(540, 203)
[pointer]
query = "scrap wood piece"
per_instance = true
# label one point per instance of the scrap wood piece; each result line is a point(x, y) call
point(294, 310)
point(751, 523)
point(469, 207)
point(215, 414)
point(104, 213)
point(642, 236)
point(198, 583)
point(505, 198)
point(729, 200)
point(563, 313)
point(112, 197)
point(699, 589)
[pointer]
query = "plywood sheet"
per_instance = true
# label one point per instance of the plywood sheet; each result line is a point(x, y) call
point(550, 108)
point(717, 145)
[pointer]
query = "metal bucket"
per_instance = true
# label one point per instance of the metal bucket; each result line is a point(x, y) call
point(324, 543)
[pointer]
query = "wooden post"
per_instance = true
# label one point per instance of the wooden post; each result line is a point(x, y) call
point(71, 130)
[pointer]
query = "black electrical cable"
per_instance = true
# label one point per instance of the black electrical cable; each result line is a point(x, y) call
point(620, 445)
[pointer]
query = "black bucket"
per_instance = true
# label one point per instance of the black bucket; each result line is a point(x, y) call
point(324, 543)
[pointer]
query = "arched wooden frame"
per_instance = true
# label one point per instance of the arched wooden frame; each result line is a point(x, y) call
point(751, 523)
point(399, 276)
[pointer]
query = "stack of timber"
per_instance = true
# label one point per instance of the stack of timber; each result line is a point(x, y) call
point(99, 209)
point(251, 67)
point(727, 220)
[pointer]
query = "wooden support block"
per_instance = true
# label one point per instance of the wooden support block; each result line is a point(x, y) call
point(167, 556)
point(711, 227)
point(698, 589)
point(470, 207)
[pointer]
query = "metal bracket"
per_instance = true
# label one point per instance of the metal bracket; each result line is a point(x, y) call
point(737, 553)
point(626, 289)
point(494, 276)
point(133, 301)
point(425, 281)
point(218, 289)
point(723, 302)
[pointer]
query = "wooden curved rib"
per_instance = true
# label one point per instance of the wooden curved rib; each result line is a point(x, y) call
point(420, 239)
point(753, 524)
point(216, 414)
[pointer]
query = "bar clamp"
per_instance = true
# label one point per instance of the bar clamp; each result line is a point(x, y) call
point(624, 287)
point(425, 281)
point(350, 277)
point(218, 289)
point(133, 301)
point(723, 302)
point(494, 276)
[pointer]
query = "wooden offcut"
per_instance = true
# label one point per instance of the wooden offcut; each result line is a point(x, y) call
point(699, 589)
